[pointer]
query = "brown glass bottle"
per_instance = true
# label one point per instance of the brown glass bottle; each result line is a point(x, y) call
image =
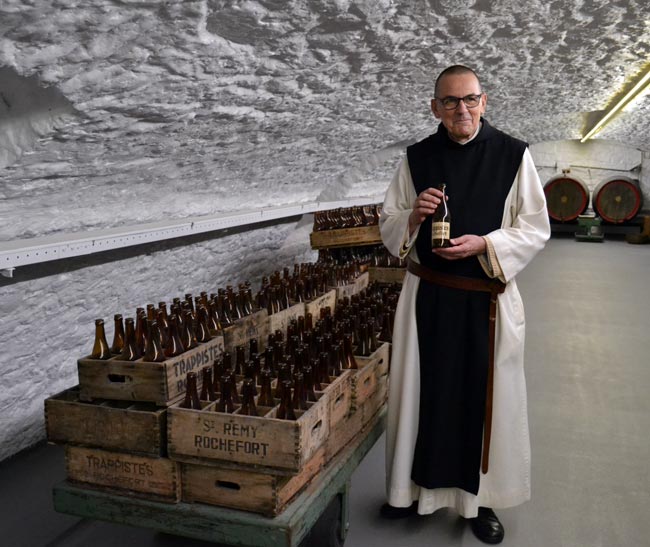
point(191, 393)
point(266, 394)
point(248, 407)
point(225, 403)
point(163, 326)
point(441, 223)
point(283, 373)
point(203, 325)
point(233, 388)
point(154, 350)
point(141, 331)
point(118, 336)
point(130, 349)
point(100, 346)
point(207, 387)
point(251, 374)
point(309, 383)
point(188, 336)
point(240, 357)
point(174, 345)
point(285, 410)
point(299, 401)
point(350, 361)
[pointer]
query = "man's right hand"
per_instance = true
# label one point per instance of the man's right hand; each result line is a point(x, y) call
point(425, 204)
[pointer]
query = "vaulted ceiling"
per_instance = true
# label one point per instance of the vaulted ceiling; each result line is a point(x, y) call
point(233, 103)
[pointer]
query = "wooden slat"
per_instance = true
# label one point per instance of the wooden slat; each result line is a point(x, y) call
point(139, 428)
point(129, 474)
point(345, 237)
point(386, 275)
point(255, 326)
point(324, 301)
point(281, 320)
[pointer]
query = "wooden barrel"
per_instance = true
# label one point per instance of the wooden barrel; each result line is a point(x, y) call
point(617, 199)
point(566, 198)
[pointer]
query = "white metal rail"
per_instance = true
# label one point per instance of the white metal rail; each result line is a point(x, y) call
point(22, 252)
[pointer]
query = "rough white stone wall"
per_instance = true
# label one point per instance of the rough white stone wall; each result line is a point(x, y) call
point(47, 312)
point(592, 162)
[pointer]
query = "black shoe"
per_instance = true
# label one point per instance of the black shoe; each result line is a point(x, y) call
point(487, 527)
point(389, 512)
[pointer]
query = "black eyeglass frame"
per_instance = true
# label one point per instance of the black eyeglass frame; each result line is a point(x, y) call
point(456, 101)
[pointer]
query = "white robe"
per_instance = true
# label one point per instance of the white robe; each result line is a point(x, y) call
point(523, 233)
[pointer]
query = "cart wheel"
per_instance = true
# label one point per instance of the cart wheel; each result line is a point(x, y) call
point(327, 530)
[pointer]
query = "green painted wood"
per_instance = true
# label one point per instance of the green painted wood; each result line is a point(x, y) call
point(221, 525)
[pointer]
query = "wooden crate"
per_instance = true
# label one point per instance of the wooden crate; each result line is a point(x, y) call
point(386, 275)
point(281, 320)
point(126, 474)
point(356, 287)
point(338, 397)
point(111, 425)
point(352, 425)
point(371, 368)
point(160, 383)
point(326, 300)
point(279, 446)
point(345, 237)
point(255, 325)
point(263, 493)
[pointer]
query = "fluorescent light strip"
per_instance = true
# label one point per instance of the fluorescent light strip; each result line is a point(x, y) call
point(636, 90)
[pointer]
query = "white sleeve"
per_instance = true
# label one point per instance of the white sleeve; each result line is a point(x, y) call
point(527, 226)
point(394, 219)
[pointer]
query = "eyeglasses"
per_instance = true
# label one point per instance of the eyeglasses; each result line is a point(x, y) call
point(450, 103)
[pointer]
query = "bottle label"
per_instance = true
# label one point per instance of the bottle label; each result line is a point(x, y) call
point(440, 230)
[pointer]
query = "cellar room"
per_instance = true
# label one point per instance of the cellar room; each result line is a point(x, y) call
point(324, 272)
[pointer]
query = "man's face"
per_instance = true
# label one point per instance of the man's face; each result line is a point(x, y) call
point(461, 122)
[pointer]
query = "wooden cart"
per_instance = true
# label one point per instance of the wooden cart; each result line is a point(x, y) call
point(322, 506)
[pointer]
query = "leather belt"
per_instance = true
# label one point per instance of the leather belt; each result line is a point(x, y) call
point(494, 287)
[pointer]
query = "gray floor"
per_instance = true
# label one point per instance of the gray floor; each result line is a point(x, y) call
point(588, 371)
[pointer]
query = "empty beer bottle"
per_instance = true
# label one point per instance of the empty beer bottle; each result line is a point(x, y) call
point(225, 403)
point(309, 383)
point(188, 337)
point(299, 401)
point(233, 388)
point(154, 351)
point(285, 410)
point(100, 346)
point(191, 393)
point(174, 345)
point(266, 395)
point(118, 336)
point(248, 407)
point(203, 325)
point(141, 331)
point(350, 361)
point(207, 388)
point(240, 357)
point(130, 349)
point(250, 373)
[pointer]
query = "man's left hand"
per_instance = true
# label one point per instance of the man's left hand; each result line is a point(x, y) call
point(462, 247)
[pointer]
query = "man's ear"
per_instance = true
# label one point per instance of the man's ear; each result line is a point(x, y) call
point(434, 108)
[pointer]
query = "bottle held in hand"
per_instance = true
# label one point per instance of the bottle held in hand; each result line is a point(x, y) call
point(441, 223)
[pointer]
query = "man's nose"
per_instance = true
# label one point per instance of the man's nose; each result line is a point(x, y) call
point(461, 107)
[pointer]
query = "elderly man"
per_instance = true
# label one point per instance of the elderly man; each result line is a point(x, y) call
point(457, 421)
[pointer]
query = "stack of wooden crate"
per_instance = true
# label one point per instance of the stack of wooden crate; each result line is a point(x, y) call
point(126, 432)
point(361, 238)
